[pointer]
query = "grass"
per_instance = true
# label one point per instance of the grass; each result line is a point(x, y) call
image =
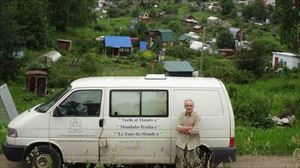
point(274, 141)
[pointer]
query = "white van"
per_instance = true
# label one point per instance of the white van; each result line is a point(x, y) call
point(125, 120)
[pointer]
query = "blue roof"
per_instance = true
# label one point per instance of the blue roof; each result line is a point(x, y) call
point(143, 45)
point(117, 41)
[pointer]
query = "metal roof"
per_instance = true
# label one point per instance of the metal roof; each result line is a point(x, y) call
point(117, 41)
point(167, 35)
point(178, 66)
point(142, 82)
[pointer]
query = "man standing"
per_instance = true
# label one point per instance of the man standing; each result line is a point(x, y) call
point(187, 137)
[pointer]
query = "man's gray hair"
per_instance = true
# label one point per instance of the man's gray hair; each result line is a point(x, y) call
point(186, 100)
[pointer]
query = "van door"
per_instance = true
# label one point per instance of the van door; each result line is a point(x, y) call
point(137, 127)
point(74, 125)
point(212, 107)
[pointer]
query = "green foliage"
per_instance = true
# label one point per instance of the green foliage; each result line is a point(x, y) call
point(289, 23)
point(182, 52)
point(252, 103)
point(63, 14)
point(9, 28)
point(116, 12)
point(35, 65)
point(273, 141)
point(225, 70)
point(225, 40)
point(253, 109)
point(227, 7)
point(91, 64)
point(2, 135)
point(34, 27)
point(255, 11)
point(253, 60)
point(147, 55)
point(169, 9)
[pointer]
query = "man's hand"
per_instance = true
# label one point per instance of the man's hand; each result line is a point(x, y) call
point(185, 129)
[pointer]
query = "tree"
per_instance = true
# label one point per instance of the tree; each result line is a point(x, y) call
point(9, 41)
point(225, 40)
point(9, 29)
point(253, 60)
point(34, 27)
point(289, 23)
point(62, 14)
point(227, 6)
point(255, 11)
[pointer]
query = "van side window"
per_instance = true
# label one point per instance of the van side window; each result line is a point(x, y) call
point(137, 103)
point(81, 103)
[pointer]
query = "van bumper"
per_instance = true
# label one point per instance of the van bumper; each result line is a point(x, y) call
point(225, 155)
point(13, 152)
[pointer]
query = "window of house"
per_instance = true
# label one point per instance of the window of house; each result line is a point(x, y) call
point(81, 103)
point(124, 49)
point(138, 103)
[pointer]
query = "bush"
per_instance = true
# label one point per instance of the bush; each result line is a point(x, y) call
point(90, 64)
point(181, 52)
point(252, 108)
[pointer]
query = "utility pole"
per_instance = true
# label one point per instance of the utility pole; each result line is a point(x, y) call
point(202, 52)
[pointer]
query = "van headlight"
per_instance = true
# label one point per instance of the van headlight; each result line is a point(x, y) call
point(11, 132)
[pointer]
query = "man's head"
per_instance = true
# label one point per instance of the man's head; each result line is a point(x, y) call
point(189, 105)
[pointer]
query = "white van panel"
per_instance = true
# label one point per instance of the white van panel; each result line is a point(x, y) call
point(210, 104)
point(136, 140)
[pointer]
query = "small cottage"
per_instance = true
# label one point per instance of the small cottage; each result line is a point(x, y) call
point(237, 33)
point(144, 17)
point(213, 20)
point(160, 36)
point(117, 45)
point(226, 52)
point(49, 57)
point(64, 44)
point(285, 59)
point(37, 82)
point(189, 20)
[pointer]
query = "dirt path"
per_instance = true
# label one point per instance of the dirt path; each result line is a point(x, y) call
point(242, 162)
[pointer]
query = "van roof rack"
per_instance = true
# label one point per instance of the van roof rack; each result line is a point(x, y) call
point(155, 77)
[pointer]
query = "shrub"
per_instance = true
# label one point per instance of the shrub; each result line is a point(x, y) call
point(252, 108)
point(91, 64)
point(181, 52)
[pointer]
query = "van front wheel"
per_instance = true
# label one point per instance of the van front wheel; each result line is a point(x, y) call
point(43, 156)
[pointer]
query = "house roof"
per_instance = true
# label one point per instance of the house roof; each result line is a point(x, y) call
point(166, 35)
point(52, 56)
point(187, 37)
point(233, 31)
point(285, 54)
point(117, 41)
point(198, 46)
point(212, 18)
point(178, 66)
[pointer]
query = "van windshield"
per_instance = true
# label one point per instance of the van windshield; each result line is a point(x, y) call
point(47, 105)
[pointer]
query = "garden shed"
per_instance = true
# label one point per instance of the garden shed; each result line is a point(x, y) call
point(64, 44)
point(37, 82)
point(178, 68)
point(236, 33)
point(163, 36)
point(49, 57)
point(212, 20)
point(285, 59)
point(119, 45)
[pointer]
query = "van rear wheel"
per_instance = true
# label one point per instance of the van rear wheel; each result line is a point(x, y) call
point(43, 156)
point(205, 157)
